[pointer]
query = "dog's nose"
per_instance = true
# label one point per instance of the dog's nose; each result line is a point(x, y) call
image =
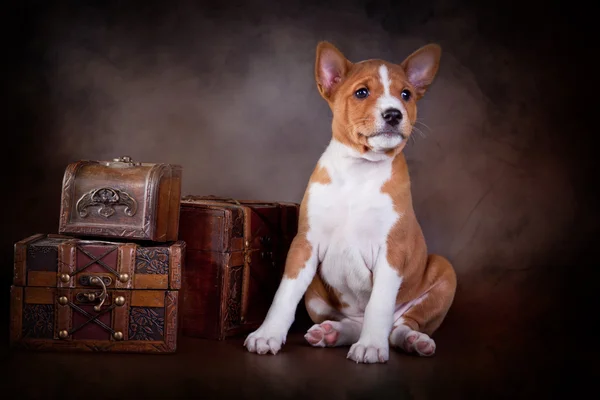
point(392, 116)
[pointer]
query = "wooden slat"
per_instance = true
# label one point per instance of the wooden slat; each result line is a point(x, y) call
point(41, 278)
point(39, 295)
point(148, 298)
point(151, 281)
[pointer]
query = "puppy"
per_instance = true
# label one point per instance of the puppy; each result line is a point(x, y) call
point(359, 257)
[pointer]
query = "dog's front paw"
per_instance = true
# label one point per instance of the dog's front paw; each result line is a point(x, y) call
point(265, 340)
point(369, 352)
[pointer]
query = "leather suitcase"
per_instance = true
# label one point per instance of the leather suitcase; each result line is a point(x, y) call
point(121, 199)
point(235, 257)
point(90, 295)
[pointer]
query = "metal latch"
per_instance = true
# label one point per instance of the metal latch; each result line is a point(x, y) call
point(87, 280)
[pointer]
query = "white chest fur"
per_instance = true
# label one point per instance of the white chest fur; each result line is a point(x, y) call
point(350, 219)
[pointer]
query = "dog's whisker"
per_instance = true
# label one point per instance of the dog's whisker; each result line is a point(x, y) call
point(420, 132)
point(413, 138)
point(424, 124)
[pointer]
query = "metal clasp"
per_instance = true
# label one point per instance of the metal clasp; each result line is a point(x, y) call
point(99, 282)
point(95, 281)
point(126, 160)
point(86, 280)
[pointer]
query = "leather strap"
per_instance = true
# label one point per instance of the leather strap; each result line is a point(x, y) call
point(67, 261)
point(96, 260)
point(91, 318)
point(126, 265)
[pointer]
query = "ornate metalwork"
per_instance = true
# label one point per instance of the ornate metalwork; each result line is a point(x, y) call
point(126, 160)
point(107, 198)
point(91, 296)
point(99, 282)
point(86, 280)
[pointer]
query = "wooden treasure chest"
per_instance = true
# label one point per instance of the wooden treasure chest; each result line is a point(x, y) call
point(121, 199)
point(235, 257)
point(91, 295)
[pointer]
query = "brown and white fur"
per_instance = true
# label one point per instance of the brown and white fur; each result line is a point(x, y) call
point(359, 257)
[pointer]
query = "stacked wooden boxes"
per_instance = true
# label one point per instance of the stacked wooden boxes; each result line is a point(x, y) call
point(133, 264)
point(110, 279)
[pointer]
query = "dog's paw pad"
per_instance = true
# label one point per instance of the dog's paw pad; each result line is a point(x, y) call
point(420, 343)
point(411, 338)
point(322, 335)
point(315, 337)
point(425, 347)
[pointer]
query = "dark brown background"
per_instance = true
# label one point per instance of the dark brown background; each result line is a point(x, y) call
point(503, 179)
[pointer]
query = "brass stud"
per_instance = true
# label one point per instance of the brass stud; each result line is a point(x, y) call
point(123, 277)
point(120, 300)
point(118, 335)
point(65, 278)
point(247, 243)
point(62, 300)
point(63, 334)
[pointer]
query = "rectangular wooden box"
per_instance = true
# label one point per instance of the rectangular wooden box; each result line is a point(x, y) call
point(90, 295)
point(235, 257)
point(121, 199)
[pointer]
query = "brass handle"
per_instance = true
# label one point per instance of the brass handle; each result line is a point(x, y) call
point(123, 161)
point(99, 282)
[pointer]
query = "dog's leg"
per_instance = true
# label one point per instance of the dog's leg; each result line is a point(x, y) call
point(412, 330)
point(373, 344)
point(300, 268)
point(325, 308)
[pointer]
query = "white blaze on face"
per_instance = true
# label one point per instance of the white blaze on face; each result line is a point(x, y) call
point(385, 102)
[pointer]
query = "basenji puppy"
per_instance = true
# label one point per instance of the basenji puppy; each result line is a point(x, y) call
point(359, 257)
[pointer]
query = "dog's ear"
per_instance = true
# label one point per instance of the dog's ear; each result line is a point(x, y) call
point(422, 66)
point(330, 68)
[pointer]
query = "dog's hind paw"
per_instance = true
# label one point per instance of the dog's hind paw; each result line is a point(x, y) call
point(323, 335)
point(412, 341)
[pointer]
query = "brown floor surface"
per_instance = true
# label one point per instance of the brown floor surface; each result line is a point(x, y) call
point(481, 355)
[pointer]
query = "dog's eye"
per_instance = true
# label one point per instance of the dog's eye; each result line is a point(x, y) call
point(406, 95)
point(361, 93)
